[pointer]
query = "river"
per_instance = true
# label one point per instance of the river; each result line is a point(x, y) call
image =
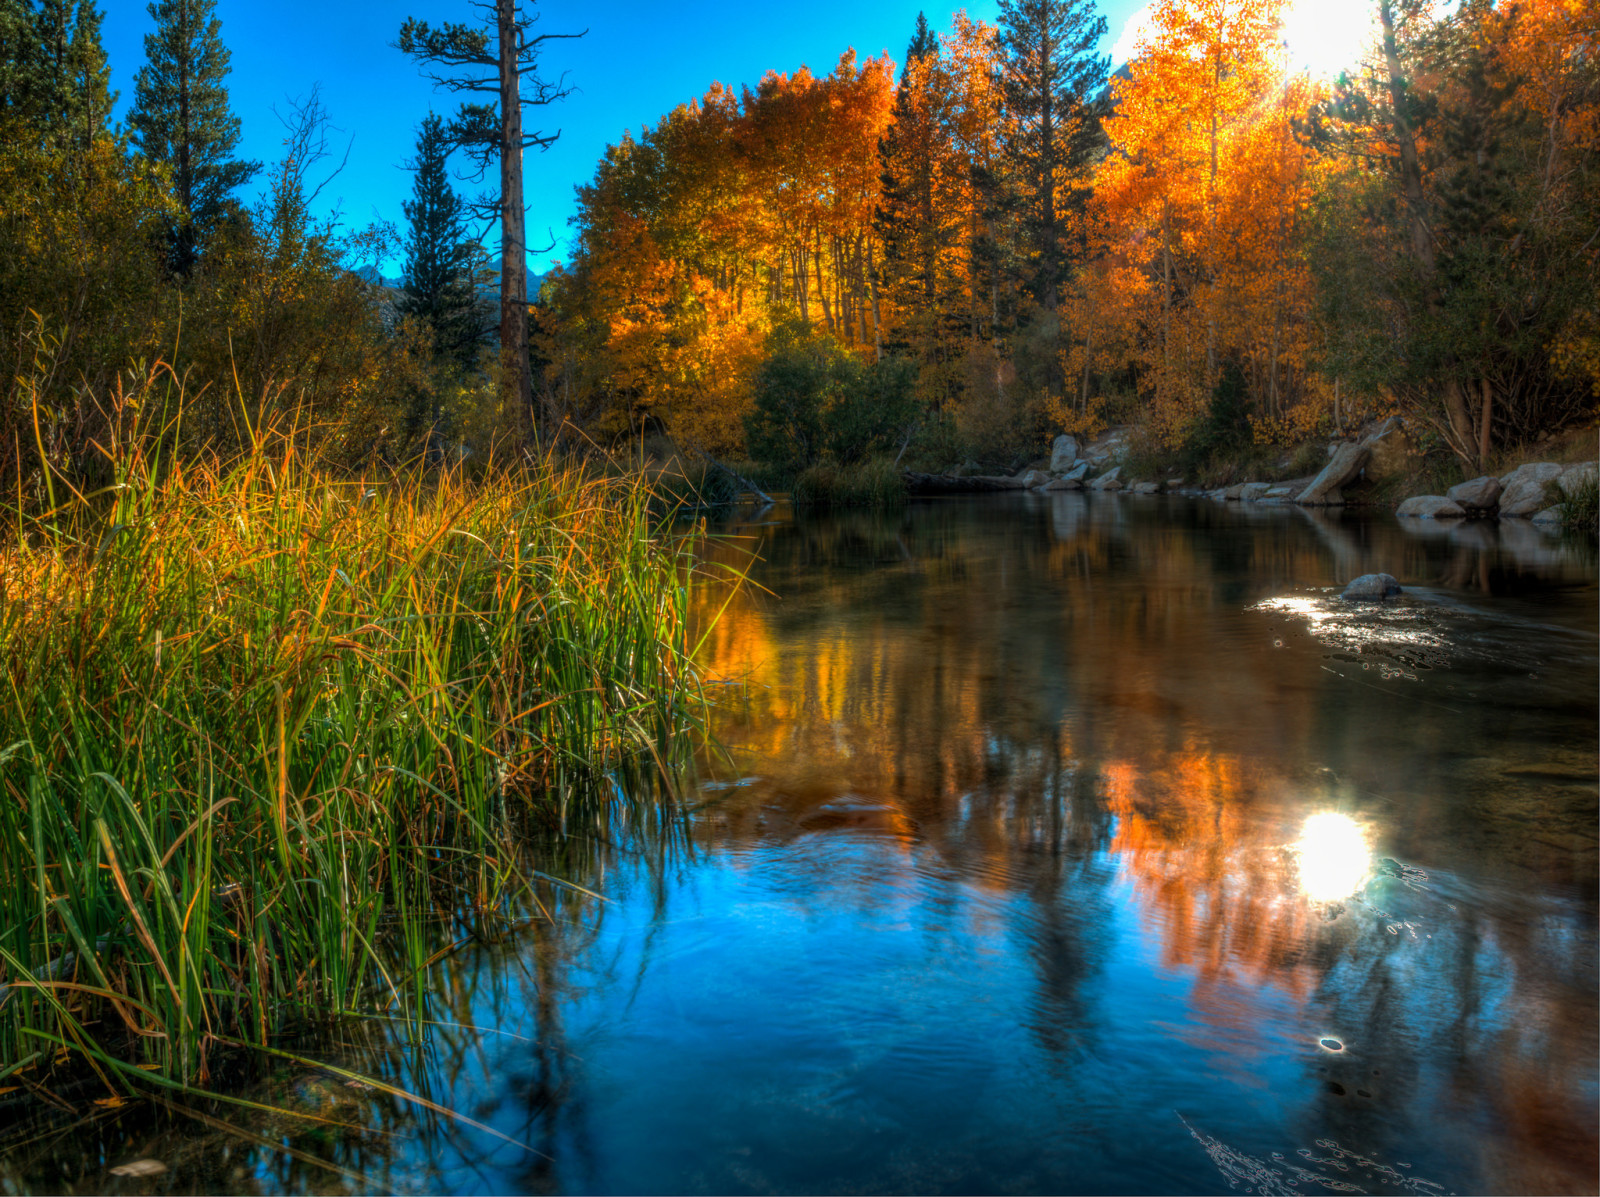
point(1060, 844)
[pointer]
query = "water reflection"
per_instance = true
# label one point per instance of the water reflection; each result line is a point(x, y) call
point(1333, 856)
point(1060, 844)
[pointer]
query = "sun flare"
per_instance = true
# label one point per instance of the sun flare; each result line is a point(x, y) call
point(1324, 37)
point(1334, 856)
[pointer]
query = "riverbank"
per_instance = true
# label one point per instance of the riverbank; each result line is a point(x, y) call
point(269, 734)
point(1368, 469)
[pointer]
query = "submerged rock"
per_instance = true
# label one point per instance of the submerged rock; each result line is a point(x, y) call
point(1372, 588)
point(1144, 488)
point(1435, 507)
point(1550, 515)
point(1481, 494)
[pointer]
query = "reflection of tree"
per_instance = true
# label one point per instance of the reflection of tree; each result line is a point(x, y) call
point(1032, 675)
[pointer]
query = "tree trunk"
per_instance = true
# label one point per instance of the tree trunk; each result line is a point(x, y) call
point(517, 382)
point(1485, 423)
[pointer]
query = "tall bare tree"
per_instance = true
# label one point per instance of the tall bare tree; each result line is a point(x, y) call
point(500, 58)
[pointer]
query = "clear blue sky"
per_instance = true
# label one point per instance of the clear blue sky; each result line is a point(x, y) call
point(638, 61)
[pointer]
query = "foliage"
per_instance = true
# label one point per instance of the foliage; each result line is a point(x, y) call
point(181, 119)
point(269, 730)
point(1580, 506)
point(815, 398)
point(877, 482)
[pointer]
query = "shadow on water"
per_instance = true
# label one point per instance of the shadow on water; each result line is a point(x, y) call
point(1067, 844)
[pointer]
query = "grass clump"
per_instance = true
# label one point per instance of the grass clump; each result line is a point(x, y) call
point(267, 735)
point(1580, 504)
point(874, 483)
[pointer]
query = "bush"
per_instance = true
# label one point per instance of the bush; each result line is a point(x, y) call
point(814, 398)
point(875, 483)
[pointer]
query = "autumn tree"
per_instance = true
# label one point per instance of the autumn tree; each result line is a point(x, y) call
point(1454, 249)
point(181, 118)
point(501, 60)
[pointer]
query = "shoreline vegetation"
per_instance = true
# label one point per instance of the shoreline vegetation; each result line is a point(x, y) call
point(273, 732)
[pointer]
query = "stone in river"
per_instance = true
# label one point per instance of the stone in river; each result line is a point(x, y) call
point(1144, 488)
point(1435, 507)
point(1481, 494)
point(1034, 478)
point(1108, 481)
point(1550, 515)
point(1063, 454)
point(1251, 491)
point(1341, 469)
point(1371, 587)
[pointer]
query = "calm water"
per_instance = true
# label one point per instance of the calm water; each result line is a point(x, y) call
point(1067, 844)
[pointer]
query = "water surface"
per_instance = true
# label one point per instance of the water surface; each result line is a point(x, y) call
point(1069, 844)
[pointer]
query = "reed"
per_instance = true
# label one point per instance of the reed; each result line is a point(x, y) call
point(267, 735)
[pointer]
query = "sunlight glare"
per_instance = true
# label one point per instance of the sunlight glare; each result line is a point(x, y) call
point(1324, 37)
point(1333, 857)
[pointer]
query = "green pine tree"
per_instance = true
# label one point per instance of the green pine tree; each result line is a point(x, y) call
point(1053, 78)
point(441, 260)
point(905, 217)
point(53, 69)
point(181, 118)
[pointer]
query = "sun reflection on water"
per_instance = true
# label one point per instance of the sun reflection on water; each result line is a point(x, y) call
point(1334, 857)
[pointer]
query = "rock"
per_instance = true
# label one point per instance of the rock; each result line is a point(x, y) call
point(1524, 488)
point(1431, 507)
point(1033, 478)
point(1220, 494)
point(1232, 493)
point(1172, 482)
point(1550, 515)
point(1145, 488)
point(1575, 476)
point(1280, 492)
point(1345, 464)
point(1371, 588)
point(1109, 480)
point(1251, 491)
point(1063, 484)
point(1481, 494)
point(1077, 473)
point(1063, 454)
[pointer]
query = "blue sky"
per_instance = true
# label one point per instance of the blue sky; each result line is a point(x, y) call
point(637, 62)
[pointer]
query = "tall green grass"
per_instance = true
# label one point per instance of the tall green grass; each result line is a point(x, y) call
point(267, 735)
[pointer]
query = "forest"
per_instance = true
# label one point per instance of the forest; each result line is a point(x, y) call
point(956, 256)
point(995, 240)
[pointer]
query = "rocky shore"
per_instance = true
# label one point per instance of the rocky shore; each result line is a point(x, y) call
point(1523, 493)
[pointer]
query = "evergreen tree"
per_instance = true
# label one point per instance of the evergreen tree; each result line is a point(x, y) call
point(440, 259)
point(1052, 80)
point(908, 156)
point(53, 69)
point(181, 118)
